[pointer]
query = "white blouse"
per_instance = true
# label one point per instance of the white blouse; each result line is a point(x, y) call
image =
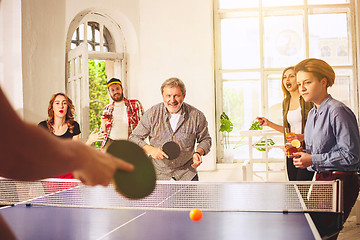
point(294, 119)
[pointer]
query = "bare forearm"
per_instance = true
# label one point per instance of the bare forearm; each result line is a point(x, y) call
point(29, 152)
point(201, 151)
point(276, 127)
point(266, 122)
point(41, 156)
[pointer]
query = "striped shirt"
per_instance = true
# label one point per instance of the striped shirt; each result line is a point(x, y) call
point(134, 112)
point(191, 128)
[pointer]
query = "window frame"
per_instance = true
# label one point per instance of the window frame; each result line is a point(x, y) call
point(261, 12)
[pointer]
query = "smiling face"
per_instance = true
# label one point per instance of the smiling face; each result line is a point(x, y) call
point(60, 106)
point(289, 80)
point(173, 98)
point(311, 88)
point(116, 92)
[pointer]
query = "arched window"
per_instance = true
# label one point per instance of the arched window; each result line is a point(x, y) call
point(93, 37)
point(95, 52)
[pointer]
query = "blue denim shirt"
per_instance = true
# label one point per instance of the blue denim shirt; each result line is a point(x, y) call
point(332, 137)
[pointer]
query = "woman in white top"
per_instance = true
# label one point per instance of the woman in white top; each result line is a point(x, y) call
point(295, 111)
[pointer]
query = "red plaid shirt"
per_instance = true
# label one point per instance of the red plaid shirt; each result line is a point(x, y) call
point(134, 111)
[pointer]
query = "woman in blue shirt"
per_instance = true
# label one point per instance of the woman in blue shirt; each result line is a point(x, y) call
point(331, 131)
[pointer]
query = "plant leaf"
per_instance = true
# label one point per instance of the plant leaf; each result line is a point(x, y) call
point(226, 124)
point(224, 116)
point(270, 142)
point(255, 125)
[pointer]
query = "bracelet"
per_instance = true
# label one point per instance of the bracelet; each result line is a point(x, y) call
point(198, 153)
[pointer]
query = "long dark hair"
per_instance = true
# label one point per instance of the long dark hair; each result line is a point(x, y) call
point(286, 92)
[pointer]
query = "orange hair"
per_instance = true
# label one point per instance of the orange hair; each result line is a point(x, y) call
point(319, 68)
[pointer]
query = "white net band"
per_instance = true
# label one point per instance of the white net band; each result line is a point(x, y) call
point(178, 196)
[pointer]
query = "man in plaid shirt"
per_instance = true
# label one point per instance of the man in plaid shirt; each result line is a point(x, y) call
point(120, 117)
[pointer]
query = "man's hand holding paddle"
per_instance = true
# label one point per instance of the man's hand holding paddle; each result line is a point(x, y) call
point(171, 150)
point(154, 152)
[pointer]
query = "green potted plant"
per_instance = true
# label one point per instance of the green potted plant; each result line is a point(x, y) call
point(255, 126)
point(226, 127)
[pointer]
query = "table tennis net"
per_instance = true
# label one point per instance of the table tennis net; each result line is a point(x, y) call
point(210, 196)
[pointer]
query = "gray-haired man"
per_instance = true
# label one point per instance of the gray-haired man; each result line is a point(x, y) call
point(174, 120)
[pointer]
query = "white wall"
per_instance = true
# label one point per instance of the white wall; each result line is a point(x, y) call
point(176, 41)
point(10, 52)
point(164, 39)
point(43, 55)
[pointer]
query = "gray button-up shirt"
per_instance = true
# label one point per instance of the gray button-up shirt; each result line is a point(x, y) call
point(191, 128)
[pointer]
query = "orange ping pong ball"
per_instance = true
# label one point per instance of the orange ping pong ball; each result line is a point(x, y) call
point(195, 214)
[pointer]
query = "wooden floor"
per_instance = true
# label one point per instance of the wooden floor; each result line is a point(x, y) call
point(351, 230)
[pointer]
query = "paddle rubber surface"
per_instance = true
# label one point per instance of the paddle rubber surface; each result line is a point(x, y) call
point(172, 149)
point(140, 182)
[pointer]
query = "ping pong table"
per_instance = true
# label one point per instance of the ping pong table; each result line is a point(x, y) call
point(230, 211)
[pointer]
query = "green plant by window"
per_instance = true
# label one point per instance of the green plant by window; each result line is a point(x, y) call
point(269, 141)
point(255, 126)
point(226, 127)
point(97, 94)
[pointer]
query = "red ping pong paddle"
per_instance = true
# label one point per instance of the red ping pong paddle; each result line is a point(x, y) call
point(172, 149)
point(138, 183)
